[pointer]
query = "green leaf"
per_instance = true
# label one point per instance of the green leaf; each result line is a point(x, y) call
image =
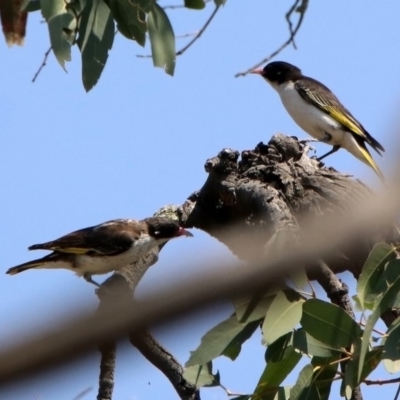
point(162, 39)
point(329, 324)
point(235, 346)
point(275, 373)
point(391, 349)
point(349, 382)
point(372, 360)
point(58, 21)
point(305, 343)
point(299, 278)
point(219, 338)
point(195, 4)
point(276, 351)
point(131, 19)
point(383, 303)
point(283, 315)
point(372, 269)
point(30, 5)
point(219, 2)
point(253, 308)
point(303, 383)
point(323, 376)
point(201, 375)
point(96, 36)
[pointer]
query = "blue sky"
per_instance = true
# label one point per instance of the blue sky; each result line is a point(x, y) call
point(139, 141)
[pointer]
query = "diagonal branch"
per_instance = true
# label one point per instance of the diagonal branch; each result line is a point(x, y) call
point(200, 32)
point(301, 9)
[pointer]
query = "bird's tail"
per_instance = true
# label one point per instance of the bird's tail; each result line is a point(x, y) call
point(23, 267)
point(53, 260)
point(365, 156)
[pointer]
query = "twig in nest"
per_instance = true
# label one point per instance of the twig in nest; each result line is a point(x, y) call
point(46, 56)
point(301, 9)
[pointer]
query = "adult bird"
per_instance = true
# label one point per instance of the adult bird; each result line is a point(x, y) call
point(319, 112)
point(105, 247)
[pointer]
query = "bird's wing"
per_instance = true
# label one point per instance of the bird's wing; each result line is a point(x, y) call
point(330, 104)
point(110, 238)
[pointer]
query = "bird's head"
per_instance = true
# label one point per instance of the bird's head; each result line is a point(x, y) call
point(164, 228)
point(278, 72)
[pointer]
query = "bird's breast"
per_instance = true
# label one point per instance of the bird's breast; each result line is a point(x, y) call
point(311, 119)
point(104, 264)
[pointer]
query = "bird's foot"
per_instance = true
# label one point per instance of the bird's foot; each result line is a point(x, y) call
point(88, 278)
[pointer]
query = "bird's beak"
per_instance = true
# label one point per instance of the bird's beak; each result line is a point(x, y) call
point(184, 232)
point(257, 71)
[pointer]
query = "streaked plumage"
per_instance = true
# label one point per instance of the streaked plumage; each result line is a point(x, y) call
point(105, 247)
point(319, 112)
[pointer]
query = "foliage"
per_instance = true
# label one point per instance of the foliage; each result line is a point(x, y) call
point(297, 326)
point(91, 25)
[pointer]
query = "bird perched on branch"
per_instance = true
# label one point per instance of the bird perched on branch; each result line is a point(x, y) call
point(319, 112)
point(105, 247)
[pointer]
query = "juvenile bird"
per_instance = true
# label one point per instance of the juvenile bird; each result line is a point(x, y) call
point(105, 247)
point(319, 112)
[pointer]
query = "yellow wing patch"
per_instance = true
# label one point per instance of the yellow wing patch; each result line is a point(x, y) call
point(345, 120)
point(70, 250)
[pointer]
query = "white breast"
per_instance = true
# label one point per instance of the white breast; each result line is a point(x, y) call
point(312, 120)
point(105, 264)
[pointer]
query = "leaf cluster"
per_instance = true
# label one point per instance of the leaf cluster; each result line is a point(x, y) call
point(295, 326)
point(92, 24)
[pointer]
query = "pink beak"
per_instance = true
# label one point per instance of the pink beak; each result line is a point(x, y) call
point(184, 232)
point(257, 71)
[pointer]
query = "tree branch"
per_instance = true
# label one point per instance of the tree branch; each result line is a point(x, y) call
point(46, 56)
point(166, 363)
point(292, 33)
point(121, 286)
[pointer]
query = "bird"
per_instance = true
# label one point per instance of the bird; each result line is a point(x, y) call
point(320, 113)
point(105, 247)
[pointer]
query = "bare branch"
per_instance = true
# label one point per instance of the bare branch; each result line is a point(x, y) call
point(197, 35)
point(166, 363)
point(293, 32)
point(46, 56)
point(200, 32)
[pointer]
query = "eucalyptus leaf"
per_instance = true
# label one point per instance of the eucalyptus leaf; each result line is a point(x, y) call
point(324, 371)
point(131, 20)
point(162, 39)
point(58, 21)
point(371, 271)
point(329, 324)
point(252, 308)
point(307, 344)
point(303, 383)
point(215, 342)
point(201, 375)
point(195, 4)
point(283, 315)
point(275, 373)
point(96, 36)
point(383, 303)
point(391, 348)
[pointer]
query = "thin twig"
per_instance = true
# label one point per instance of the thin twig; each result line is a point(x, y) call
point(82, 394)
point(293, 32)
point(46, 56)
point(196, 37)
point(201, 31)
point(396, 396)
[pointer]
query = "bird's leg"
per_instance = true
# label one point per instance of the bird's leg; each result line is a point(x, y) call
point(88, 278)
point(335, 148)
